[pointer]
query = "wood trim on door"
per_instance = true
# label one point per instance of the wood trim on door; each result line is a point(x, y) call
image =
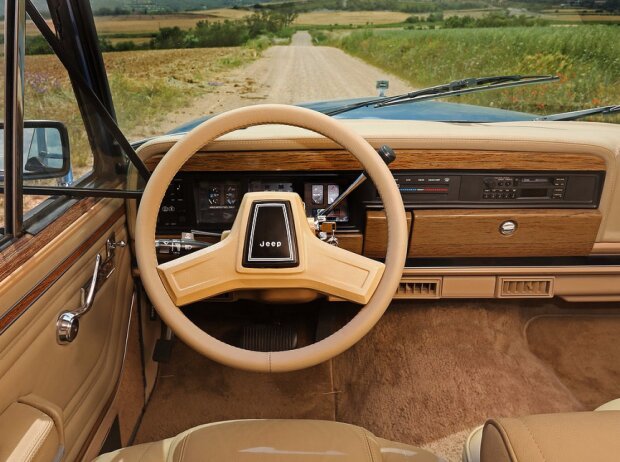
point(34, 243)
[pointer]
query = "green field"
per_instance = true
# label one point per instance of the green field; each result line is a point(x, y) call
point(587, 59)
point(146, 85)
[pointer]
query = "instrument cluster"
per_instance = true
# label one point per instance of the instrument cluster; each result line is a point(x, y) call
point(210, 203)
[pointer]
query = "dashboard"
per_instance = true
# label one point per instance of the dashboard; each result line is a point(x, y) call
point(209, 202)
point(489, 206)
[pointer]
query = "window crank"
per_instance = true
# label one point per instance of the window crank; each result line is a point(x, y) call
point(68, 324)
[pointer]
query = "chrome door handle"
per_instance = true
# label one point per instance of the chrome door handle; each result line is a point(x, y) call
point(68, 323)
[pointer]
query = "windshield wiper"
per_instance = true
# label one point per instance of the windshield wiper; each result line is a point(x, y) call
point(574, 115)
point(454, 88)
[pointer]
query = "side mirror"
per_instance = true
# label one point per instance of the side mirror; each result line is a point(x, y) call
point(46, 151)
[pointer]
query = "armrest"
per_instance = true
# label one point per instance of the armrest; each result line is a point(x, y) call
point(570, 437)
point(28, 435)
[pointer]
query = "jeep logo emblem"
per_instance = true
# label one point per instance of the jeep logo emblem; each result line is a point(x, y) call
point(270, 244)
point(270, 240)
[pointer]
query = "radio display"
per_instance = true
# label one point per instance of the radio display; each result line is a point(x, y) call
point(534, 193)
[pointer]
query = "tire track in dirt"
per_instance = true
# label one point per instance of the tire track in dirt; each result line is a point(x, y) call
point(296, 73)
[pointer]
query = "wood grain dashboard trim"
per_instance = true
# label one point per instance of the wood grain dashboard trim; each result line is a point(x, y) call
point(375, 236)
point(472, 233)
point(475, 233)
point(407, 159)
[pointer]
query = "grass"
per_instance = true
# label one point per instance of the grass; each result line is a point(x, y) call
point(146, 85)
point(586, 58)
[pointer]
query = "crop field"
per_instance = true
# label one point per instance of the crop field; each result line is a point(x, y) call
point(135, 24)
point(166, 79)
point(586, 58)
point(323, 18)
point(146, 85)
point(576, 15)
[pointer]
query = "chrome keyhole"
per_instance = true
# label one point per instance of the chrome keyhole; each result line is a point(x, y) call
point(508, 227)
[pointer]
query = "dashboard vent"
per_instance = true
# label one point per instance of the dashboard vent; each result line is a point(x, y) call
point(515, 287)
point(419, 288)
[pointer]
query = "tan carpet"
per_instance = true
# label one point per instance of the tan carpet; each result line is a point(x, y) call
point(427, 374)
point(449, 447)
point(131, 390)
point(431, 369)
point(584, 351)
point(192, 390)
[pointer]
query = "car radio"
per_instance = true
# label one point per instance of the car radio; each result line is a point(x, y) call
point(524, 187)
point(501, 189)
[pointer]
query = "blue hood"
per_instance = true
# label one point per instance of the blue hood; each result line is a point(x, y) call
point(434, 111)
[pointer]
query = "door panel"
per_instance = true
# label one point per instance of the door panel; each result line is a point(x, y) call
point(80, 377)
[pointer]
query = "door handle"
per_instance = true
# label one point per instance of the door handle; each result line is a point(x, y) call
point(68, 323)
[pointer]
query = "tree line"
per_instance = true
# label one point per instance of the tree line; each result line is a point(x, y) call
point(228, 33)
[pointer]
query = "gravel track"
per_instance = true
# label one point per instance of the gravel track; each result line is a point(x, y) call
point(290, 74)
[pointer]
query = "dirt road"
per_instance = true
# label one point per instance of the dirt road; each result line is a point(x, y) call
point(295, 73)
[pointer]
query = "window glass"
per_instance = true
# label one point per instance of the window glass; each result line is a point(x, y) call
point(2, 71)
point(49, 96)
point(172, 63)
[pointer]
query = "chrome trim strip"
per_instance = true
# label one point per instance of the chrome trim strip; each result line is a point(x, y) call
point(291, 250)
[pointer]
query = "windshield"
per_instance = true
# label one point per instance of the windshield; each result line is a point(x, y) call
point(171, 64)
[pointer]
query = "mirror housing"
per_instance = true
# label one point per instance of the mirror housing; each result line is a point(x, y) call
point(46, 151)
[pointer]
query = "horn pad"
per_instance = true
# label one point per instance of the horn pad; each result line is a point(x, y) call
point(270, 239)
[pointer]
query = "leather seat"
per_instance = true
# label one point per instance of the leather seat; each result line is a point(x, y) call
point(567, 437)
point(272, 440)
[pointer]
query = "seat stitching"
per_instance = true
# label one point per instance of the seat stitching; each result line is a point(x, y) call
point(365, 438)
point(520, 420)
point(146, 450)
point(183, 445)
point(38, 440)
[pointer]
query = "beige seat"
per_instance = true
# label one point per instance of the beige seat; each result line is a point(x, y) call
point(567, 437)
point(272, 440)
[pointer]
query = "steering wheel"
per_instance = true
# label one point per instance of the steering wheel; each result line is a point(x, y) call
point(270, 246)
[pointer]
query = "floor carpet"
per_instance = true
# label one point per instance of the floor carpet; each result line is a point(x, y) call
point(425, 375)
point(584, 352)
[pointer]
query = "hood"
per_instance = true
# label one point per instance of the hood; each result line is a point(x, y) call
point(434, 111)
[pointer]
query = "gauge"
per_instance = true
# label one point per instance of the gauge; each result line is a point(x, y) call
point(214, 194)
point(333, 191)
point(231, 194)
point(317, 194)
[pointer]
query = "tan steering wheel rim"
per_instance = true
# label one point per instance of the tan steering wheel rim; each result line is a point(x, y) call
point(306, 356)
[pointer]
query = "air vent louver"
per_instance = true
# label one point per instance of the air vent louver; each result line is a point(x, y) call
point(514, 287)
point(418, 288)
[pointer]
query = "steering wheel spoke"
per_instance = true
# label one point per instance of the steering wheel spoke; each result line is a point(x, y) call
point(270, 246)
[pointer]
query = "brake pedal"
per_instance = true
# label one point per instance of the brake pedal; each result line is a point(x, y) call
point(163, 347)
point(268, 338)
